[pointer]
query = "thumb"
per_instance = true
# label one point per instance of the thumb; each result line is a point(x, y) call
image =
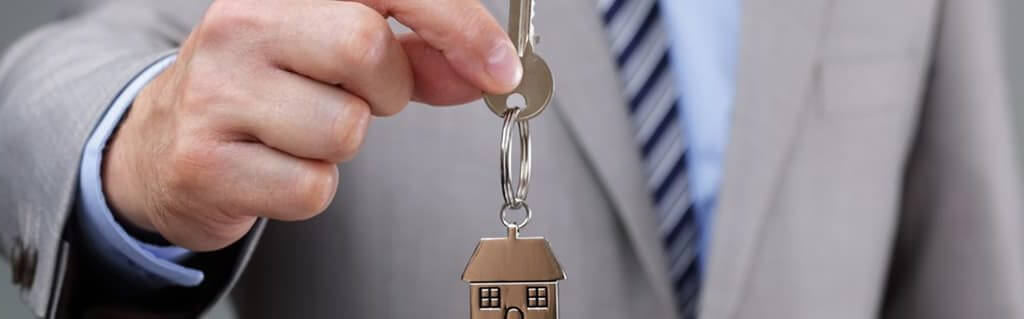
point(436, 82)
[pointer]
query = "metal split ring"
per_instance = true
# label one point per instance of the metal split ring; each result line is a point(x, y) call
point(515, 196)
point(514, 206)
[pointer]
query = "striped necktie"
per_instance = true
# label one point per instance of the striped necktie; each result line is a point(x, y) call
point(640, 45)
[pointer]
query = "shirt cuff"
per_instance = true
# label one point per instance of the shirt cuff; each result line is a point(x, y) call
point(150, 265)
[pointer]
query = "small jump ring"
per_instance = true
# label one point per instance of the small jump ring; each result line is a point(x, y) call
point(510, 193)
point(513, 206)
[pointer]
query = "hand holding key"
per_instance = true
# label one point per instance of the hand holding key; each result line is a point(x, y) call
point(268, 95)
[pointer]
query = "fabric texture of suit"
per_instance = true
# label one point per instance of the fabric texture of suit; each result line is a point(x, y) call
point(870, 173)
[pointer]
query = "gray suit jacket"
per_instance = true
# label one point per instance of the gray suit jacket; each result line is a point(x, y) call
point(870, 173)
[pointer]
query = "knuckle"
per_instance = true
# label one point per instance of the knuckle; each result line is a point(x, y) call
point(225, 20)
point(205, 94)
point(316, 191)
point(348, 132)
point(189, 163)
point(369, 39)
point(201, 227)
point(199, 91)
point(219, 231)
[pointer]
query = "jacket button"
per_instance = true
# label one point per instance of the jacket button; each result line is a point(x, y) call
point(17, 263)
point(28, 268)
point(23, 265)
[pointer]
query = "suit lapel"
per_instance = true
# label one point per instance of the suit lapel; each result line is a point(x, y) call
point(778, 53)
point(589, 101)
point(777, 60)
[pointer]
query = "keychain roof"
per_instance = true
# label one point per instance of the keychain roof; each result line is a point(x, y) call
point(513, 258)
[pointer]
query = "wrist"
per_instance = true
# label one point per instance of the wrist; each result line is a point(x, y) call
point(120, 171)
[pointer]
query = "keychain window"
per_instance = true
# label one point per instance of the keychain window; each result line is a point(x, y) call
point(537, 297)
point(490, 298)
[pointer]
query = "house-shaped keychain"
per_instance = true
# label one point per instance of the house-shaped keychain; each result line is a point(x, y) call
point(513, 278)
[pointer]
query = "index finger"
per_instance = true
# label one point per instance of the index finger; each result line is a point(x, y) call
point(472, 41)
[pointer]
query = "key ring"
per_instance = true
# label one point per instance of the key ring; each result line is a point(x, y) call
point(515, 196)
point(516, 205)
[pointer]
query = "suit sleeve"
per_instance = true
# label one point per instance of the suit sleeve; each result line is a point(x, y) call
point(959, 250)
point(55, 84)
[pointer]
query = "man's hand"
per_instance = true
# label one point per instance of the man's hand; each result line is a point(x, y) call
point(267, 96)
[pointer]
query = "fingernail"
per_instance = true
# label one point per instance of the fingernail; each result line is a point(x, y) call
point(503, 65)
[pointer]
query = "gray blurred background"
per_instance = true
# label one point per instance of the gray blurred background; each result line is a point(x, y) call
point(19, 16)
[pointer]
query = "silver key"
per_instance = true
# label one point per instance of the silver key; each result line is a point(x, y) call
point(538, 86)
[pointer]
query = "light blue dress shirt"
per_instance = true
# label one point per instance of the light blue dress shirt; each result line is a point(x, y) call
point(703, 34)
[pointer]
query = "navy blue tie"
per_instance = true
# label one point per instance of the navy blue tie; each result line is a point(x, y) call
point(640, 45)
